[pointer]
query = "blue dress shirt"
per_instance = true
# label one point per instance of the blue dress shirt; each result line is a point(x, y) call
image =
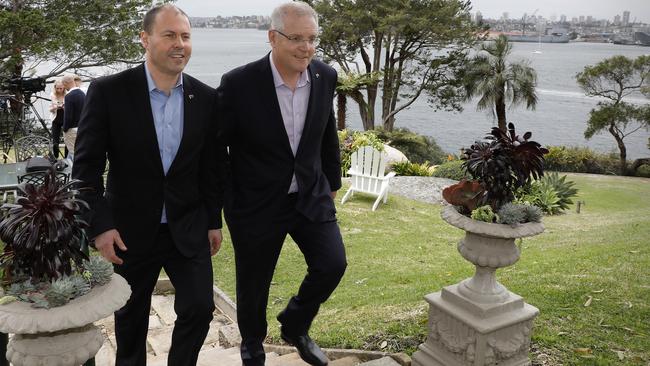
point(168, 120)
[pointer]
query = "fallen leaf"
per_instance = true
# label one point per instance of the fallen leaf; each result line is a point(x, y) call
point(621, 355)
point(629, 330)
point(562, 333)
point(588, 302)
point(383, 345)
point(598, 291)
point(628, 304)
point(635, 251)
point(361, 281)
point(582, 351)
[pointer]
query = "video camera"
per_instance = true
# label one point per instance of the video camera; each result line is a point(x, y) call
point(24, 85)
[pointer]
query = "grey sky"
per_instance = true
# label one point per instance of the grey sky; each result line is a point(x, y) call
point(599, 9)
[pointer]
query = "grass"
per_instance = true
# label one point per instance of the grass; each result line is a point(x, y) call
point(404, 250)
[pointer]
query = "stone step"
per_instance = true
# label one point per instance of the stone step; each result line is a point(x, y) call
point(346, 361)
point(385, 361)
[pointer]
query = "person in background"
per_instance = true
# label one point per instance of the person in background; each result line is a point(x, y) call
point(279, 139)
point(74, 102)
point(56, 115)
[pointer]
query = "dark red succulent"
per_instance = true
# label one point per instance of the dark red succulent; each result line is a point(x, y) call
point(504, 162)
point(466, 194)
point(42, 231)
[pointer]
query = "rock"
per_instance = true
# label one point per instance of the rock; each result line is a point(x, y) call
point(392, 155)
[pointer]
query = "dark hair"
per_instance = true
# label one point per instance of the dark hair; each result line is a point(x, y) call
point(150, 16)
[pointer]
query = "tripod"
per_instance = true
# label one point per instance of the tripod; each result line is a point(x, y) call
point(13, 124)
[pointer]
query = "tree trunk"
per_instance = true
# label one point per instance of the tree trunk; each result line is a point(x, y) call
point(363, 109)
point(621, 148)
point(369, 121)
point(341, 109)
point(501, 113)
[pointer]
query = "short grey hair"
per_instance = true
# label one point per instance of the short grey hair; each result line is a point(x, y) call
point(298, 8)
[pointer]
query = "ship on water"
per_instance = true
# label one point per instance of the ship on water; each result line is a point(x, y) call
point(551, 35)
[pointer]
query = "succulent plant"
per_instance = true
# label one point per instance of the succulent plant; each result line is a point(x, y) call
point(80, 284)
point(504, 162)
point(60, 292)
point(484, 213)
point(533, 213)
point(512, 214)
point(42, 231)
point(466, 194)
point(99, 269)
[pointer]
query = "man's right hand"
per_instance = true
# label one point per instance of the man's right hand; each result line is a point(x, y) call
point(106, 242)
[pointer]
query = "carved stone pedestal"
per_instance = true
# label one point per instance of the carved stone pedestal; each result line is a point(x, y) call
point(465, 333)
point(478, 321)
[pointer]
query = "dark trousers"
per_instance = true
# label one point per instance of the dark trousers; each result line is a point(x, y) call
point(194, 304)
point(57, 125)
point(257, 248)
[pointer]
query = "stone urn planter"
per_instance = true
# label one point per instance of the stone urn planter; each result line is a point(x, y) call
point(478, 321)
point(65, 335)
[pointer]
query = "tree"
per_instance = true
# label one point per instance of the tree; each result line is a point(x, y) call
point(405, 47)
point(498, 82)
point(350, 85)
point(614, 79)
point(68, 34)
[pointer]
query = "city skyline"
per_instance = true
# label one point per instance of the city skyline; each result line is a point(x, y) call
point(639, 9)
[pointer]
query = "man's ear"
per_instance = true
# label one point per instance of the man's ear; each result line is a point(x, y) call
point(144, 39)
point(272, 38)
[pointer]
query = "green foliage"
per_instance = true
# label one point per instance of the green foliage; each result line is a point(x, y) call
point(99, 270)
point(484, 213)
point(498, 82)
point(540, 195)
point(643, 171)
point(406, 168)
point(512, 214)
point(580, 160)
point(50, 294)
point(405, 47)
point(351, 142)
point(452, 169)
point(613, 79)
point(60, 292)
point(533, 213)
point(69, 34)
point(565, 190)
point(417, 148)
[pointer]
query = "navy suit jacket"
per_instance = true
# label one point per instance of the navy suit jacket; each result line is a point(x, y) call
point(260, 162)
point(73, 104)
point(117, 124)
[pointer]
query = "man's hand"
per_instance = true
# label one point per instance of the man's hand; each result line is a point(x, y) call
point(333, 194)
point(105, 243)
point(215, 238)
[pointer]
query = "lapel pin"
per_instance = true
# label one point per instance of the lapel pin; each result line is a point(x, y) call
point(317, 75)
point(191, 96)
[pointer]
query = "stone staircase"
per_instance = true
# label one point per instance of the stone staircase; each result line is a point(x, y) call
point(216, 351)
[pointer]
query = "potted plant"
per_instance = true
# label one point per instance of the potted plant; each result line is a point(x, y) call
point(52, 291)
point(478, 321)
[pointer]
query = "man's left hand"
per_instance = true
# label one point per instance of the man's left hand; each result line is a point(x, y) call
point(215, 238)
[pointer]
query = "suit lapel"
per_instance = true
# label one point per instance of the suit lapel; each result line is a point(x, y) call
point(314, 97)
point(144, 125)
point(270, 97)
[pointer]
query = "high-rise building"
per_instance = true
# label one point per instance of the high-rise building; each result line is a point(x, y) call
point(617, 20)
point(590, 19)
point(581, 19)
point(562, 18)
point(626, 18)
point(479, 17)
point(505, 15)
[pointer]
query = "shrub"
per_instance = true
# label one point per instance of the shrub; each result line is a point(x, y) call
point(406, 168)
point(483, 213)
point(452, 170)
point(351, 141)
point(643, 171)
point(551, 193)
point(417, 148)
point(580, 160)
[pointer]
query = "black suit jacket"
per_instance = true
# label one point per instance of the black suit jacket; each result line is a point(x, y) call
point(261, 163)
point(117, 124)
point(73, 102)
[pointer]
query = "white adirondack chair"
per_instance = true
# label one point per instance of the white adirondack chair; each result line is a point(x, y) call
point(367, 175)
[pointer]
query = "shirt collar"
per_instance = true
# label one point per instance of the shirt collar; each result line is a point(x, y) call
point(277, 78)
point(152, 84)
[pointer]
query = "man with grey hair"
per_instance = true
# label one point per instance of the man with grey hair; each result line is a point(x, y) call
point(283, 170)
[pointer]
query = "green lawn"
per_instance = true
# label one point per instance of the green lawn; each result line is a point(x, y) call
point(404, 250)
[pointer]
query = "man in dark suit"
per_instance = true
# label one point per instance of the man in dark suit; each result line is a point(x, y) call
point(161, 199)
point(74, 102)
point(283, 172)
